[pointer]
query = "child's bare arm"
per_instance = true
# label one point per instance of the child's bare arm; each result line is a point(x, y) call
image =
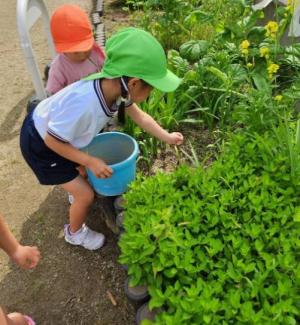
point(147, 123)
point(7, 240)
point(96, 165)
point(25, 256)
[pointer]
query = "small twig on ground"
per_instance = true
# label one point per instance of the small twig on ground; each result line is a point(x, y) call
point(70, 300)
point(111, 298)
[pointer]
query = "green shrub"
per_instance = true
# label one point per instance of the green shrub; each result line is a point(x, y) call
point(221, 245)
point(174, 22)
point(237, 77)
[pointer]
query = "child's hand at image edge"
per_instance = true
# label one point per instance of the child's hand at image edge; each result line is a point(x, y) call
point(26, 257)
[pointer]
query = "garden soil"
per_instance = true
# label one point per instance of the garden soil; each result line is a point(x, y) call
point(70, 285)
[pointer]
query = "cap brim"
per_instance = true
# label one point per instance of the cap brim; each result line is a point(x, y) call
point(96, 75)
point(166, 84)
point(82, 46)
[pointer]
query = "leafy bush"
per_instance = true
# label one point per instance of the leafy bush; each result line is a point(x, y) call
point(236, 77)
point(222, 245)
point(174, 22)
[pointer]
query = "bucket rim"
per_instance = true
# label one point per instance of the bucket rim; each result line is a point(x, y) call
point(133, 155)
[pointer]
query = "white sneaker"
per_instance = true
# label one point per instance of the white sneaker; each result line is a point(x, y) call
point(84, 237)
point(71, 198)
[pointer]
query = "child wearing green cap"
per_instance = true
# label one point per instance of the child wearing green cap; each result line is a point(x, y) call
point(53, 134)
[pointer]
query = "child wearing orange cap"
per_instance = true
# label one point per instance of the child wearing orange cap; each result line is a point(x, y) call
point(26, 257)
point(78, 54)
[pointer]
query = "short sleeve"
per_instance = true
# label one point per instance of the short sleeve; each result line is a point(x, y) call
point(56, 80)
point(70, 119)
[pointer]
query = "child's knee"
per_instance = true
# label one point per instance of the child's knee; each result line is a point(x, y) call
point(87, 196)
point(91, 195)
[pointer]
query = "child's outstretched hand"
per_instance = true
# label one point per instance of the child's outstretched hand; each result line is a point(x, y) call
point(175, 138)
point(99, 168)
point(26, 257)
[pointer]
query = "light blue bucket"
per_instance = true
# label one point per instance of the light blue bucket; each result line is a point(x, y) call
point(120, 152)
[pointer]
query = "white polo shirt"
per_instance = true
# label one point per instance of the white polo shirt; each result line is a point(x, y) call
point(75, 114)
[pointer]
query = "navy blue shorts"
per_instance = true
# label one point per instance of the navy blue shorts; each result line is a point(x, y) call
point(49, 167)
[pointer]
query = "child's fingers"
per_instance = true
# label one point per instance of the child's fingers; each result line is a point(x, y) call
point(106, 173)
point(176, 138)
point(108, 169)
point(179, 139)
point(33, 258)
point(26, 256)
point(32, 263)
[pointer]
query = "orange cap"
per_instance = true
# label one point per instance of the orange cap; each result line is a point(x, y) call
point(71, 29)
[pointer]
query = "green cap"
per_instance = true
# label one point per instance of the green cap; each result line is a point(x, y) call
point(133, 52)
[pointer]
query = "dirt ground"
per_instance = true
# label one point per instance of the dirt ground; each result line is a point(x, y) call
point(70, 284)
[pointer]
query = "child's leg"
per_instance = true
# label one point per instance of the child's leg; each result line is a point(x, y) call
point(77, 233)
point(82, 172)
point(83, 198)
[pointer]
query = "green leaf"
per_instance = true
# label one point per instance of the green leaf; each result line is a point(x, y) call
point(170, 273)
point(218, 73)
point(198, 16)
point(193, 50)
point(146, 322)
point(247, 310)
point(289, 320)
point(234, 298)
point(261, 82)
point(157, 298)
point(207, 319)
point(297, 215)
point(237, 73)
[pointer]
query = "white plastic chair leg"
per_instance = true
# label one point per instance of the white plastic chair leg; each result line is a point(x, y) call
point(28, 12)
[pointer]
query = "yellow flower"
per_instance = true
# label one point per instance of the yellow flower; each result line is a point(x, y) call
point(278, 98)
point(273, 68)
point(289, 9)
point(249, 65)
point(245, 52)
point(264, 52)
point(271, 29)
point(244, 45)
point(272, 26)
point(290, 2)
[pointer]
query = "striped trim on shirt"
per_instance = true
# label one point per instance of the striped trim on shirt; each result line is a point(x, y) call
point(55, 135)
point(108, 111)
